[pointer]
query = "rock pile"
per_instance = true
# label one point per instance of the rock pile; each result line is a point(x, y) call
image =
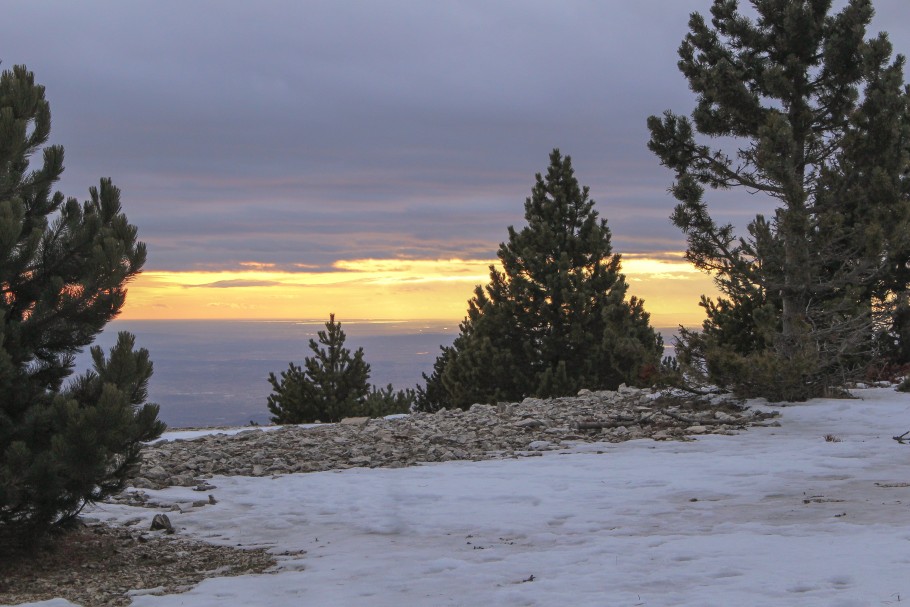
point(483, 432)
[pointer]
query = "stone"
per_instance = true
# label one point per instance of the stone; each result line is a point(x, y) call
point(183, 480)
point(540, 445)
point(354, 421)
point(143, 483)
point(528, 423)
point(161, 522)
point(696, 429)
point(155, 473)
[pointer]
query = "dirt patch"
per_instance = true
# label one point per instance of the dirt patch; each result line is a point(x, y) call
point(101, 565)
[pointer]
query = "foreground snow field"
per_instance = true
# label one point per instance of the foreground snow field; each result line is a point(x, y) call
point(774, 516)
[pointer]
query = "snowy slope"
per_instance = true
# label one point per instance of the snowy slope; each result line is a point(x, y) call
point(774, 516)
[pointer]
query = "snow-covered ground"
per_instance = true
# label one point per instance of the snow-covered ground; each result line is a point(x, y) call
point(774, 516)
point(192, 433)
point(198, 432)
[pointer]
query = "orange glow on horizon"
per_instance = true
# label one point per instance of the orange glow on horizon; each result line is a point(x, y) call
point(387, 289)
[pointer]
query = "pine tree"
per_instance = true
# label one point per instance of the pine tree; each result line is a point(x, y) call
point(818, 117)
point(387, 401)
point(331, 385)
point(555, 318)
point(63, 271)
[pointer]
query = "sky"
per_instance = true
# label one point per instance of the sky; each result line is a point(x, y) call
point(289, 159)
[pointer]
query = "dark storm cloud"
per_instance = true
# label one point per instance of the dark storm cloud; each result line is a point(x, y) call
point(305, 132)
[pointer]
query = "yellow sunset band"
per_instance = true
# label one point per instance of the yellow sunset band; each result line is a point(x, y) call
point(391, 289)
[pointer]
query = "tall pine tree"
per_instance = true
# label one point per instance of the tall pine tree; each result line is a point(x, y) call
point(817, 117)
point(63, 271)
point(555, 319)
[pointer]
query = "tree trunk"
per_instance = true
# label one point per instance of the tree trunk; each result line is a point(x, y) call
point(797, 272)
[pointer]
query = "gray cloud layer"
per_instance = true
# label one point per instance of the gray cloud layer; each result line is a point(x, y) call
point(303, 132)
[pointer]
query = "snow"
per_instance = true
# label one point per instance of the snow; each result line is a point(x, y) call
point(173, 435)
point(191, 433)
point(773, 516)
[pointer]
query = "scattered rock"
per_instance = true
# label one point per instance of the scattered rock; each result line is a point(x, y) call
point(107, 566)
point(483, 432)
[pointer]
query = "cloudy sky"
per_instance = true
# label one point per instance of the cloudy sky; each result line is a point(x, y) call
point(285, 159)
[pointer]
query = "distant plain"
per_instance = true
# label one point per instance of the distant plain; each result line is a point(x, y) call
point(215, 372)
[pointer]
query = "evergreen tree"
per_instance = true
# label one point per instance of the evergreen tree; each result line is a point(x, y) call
point(331, 385)
point(387, 401)
point(63, 271)
point(433, 395)
point(819, 119)
point(555, 319)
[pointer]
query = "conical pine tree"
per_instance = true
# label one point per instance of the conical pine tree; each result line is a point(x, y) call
point(555, 318)
point(331, 385)
point(63, 271)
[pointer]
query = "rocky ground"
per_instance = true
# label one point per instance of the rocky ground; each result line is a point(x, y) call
point(104, 566)
point(483, 432)
point(99, 565)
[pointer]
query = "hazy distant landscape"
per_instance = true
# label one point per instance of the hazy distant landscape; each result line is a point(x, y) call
point(213, 372)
